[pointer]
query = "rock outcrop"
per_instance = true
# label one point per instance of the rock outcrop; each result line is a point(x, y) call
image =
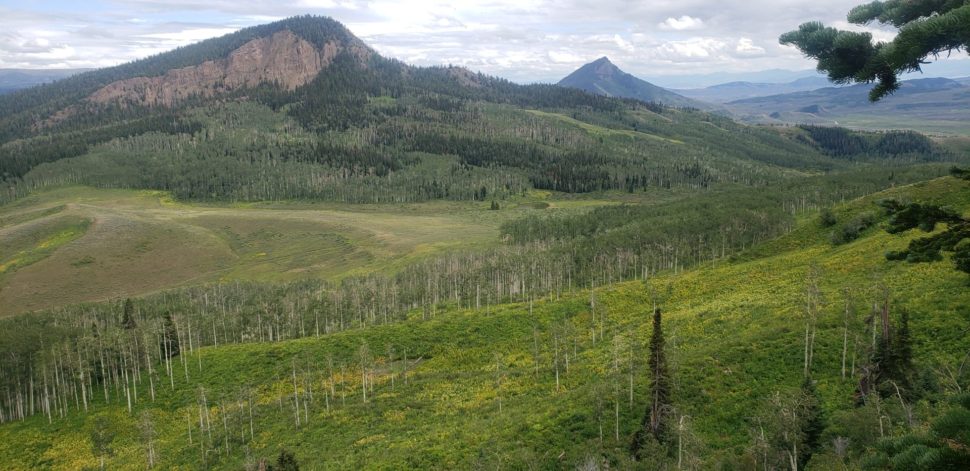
point(283, 58)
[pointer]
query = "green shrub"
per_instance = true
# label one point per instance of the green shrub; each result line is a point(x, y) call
point(826, 218)
point(853, 229)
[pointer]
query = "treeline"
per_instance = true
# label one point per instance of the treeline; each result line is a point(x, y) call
point(19, 157)
point(243, 151)
point(545, 257)
point(641, 239)
point(843, 143)
point(571, 171)
point(247, 153)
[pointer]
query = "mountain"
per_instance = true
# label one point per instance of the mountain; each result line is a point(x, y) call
point(695, 81)
point(931, 104)
point(16, 79)
point(382, 266)
point(731, 91)
point(602, 77)
point(363, 128)
point(282, 58)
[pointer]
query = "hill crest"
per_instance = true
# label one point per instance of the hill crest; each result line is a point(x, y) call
point(283, 58)
point(603, 77)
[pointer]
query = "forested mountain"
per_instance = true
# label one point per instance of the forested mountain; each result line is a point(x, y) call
point(279, 247)
point(602, 77)
point(301, 108)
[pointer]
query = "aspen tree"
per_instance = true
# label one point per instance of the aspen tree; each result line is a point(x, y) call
point(147, 429)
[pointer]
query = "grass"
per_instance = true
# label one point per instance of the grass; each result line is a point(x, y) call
point(877, 122)
point(599, 130)
point(35, 239)
point(481, 388)
point(138, 242)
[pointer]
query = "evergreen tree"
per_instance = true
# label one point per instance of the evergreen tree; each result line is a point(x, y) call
point(170, 338)
point(826, 218)
point(960, 173)
point(655, 421)
point(961, 256)
point(903, 348)
point(285, 462)
point(945, 446)
point(128, 315)
point(926, 28)
point(892, 360)
point(812, 422)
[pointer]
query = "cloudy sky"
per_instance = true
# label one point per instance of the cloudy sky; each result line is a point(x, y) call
point(523, 40)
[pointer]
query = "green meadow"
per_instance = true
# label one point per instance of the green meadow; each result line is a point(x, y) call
point(548, 384)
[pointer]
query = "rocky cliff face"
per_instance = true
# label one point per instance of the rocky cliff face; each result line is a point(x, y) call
point(283, 58)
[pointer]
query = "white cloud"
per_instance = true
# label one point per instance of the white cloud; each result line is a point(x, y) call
point(317, 3)
point(684, 23)
point(190, 35)
point(523, 40)
point(691, 49)
point(746, 47)
point(565, 57)
point(622, 43)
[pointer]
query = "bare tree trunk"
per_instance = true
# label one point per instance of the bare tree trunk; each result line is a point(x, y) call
point(556, 362)
point(845, 347)
point(805, 369)
point(252, 432)
point(296, 398)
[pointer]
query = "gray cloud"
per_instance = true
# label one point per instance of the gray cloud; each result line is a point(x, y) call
point(524, 40)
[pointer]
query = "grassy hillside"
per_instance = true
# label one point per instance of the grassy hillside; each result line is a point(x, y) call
point(82, 244)
point(553, 383)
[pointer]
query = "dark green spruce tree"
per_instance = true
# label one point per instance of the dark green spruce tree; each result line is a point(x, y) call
point(285, 462)
point(655, 420)
point(927, 28)
point(812, 422)
point(128, 315)
point(170, 339)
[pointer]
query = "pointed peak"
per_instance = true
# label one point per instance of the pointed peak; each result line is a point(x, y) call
point(603, 64)
point(603, 67)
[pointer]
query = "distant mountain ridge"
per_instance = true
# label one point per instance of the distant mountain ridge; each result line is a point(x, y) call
point(731, 91)
point(930, 104)
point(602, 77)
point(16, 79)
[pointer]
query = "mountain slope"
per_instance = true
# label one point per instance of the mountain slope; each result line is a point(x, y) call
point(935, 104)
point(302, 109)
point(732, 91)
point(553, 383)
point(602, 77)
point(283, 58)
point(289, 52)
